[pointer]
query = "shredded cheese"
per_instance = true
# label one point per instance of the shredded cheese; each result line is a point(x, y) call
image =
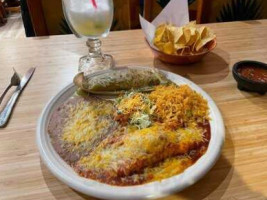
point(88, 120)
point(135, 108)
point(139, 144)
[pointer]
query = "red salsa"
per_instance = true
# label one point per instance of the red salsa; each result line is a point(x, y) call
point(253, 73)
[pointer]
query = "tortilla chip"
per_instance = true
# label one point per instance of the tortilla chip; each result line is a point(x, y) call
point(187, 34)
point(169, 35)
point(197, 39)
point(177, 33)
point(179, 46)
point(159, 33)
point(159, 45)
point(168, 48)
point(201, 43)
point(187, 39)
point(205, 36)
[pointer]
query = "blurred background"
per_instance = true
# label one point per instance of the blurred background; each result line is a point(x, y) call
point(29, 18)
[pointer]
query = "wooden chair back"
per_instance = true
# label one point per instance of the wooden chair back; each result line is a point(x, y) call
point(37, 17)
point(2, 14)
point(197, 14)
point(40, 27)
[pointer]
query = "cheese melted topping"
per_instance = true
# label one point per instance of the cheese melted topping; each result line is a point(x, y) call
point(154, 141)
point(145, 144)
point(88, 120)
point(168, 168)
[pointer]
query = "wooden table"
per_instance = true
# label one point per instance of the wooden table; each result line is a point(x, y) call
point(241, 171)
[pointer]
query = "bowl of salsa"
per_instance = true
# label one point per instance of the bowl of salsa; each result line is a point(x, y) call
point(251, 76)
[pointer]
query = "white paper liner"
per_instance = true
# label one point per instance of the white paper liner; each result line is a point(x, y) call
point(176, 13)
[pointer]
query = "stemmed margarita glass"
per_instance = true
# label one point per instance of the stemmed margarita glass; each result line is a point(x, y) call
point(91, 19)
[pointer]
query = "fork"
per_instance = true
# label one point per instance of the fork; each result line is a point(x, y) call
point(15, 81)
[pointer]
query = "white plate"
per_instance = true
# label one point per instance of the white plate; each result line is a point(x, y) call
point(146, 191)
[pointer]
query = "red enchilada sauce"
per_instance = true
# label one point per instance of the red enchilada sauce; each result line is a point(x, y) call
point(195, 152)
point(253, 73)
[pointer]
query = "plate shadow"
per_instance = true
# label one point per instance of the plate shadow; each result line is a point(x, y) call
point(212, 68)
point(58, 189)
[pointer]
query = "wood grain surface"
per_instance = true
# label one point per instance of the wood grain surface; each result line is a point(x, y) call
point(239, 174)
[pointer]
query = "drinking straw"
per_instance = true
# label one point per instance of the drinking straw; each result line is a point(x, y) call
point(94, 3)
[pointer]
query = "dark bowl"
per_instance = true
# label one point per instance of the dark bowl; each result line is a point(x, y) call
point(245, 83)
point(183, 59)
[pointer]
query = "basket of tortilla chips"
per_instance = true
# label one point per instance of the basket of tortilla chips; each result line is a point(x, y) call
point(182, 45)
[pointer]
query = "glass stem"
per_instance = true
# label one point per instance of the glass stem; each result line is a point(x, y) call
point(94, 46)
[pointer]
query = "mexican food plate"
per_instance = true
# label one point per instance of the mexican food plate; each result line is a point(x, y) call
point(155, 133)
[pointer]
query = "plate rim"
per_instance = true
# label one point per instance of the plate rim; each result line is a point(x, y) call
point(150, 190)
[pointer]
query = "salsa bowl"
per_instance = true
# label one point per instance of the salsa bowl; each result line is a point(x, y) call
point(248, 84)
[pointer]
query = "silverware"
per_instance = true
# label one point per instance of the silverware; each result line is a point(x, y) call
point(5, 114)
point(15, 81)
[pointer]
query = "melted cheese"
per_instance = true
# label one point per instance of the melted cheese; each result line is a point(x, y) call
point(144, 144)
point(132, 103)
point(168, 168)
point(88, 120)
point(135, 144)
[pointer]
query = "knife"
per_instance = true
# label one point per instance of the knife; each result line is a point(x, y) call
point(5, 114)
